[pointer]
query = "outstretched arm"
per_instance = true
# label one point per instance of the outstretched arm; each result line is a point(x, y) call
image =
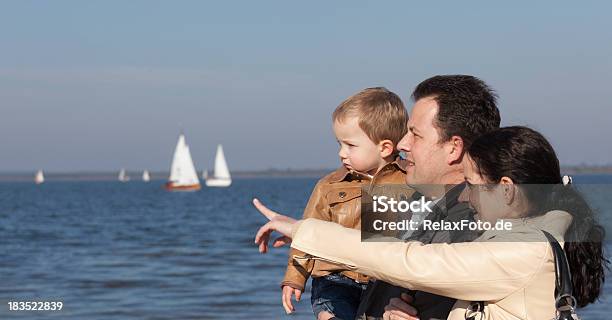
point(466, 271)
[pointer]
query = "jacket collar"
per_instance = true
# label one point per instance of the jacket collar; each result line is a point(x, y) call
point(343, 174)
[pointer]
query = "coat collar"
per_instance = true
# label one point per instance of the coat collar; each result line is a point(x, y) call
point(343, 174)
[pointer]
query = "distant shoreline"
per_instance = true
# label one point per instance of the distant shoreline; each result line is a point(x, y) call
point(587, 169)
point(270, 173)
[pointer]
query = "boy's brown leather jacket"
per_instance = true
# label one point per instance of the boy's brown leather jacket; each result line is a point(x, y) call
point(337, 198)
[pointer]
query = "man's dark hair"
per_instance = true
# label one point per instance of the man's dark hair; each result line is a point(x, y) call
point(466, 106)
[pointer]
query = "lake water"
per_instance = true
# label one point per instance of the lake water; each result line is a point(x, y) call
point(109, 250)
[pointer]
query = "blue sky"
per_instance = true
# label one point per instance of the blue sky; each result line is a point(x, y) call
point(99, 85)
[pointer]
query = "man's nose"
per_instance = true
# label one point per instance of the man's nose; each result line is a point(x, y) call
point(404, 144)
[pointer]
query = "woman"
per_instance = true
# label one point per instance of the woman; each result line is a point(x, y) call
point(513, 175)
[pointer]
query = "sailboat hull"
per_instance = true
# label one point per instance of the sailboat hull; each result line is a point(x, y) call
point(218, 182)
point(170, 186)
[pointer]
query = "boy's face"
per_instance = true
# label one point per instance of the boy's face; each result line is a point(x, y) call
point(357, 151)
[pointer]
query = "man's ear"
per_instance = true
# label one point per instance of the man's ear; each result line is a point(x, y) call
point(456, 149)
point(386, 148)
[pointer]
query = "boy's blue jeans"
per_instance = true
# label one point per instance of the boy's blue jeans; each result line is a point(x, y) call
point(337, 294)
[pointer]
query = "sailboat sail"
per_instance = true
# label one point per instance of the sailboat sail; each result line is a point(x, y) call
point(221, 169)
point(123, 177)
point(145, 176)
point(221, 177)
point(182, 171)
point(39, 177)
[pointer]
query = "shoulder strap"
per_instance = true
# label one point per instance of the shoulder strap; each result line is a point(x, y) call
point(565, 303)
point(563, 276)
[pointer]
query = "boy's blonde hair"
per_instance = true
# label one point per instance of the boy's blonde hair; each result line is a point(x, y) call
point(381, 114)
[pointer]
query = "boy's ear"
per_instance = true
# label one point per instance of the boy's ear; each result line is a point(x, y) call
point(386, 148)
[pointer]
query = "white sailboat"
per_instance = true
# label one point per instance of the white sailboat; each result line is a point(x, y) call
point(183, 176)
point(39, 177)
point(123, 177)
point(146, 177)
point(221, 176)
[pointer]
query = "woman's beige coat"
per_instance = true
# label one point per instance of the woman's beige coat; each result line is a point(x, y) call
point(511, 271)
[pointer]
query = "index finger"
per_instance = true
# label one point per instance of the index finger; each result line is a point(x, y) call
point(264, 210)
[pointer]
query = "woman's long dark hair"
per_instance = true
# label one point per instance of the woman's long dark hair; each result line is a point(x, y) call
point(526, 157)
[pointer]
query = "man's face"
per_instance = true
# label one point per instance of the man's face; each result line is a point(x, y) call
point(426, 157)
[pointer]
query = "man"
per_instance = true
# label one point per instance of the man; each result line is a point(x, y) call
point(449, 112)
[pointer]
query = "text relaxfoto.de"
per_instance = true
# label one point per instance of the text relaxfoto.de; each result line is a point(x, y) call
point(420, 208)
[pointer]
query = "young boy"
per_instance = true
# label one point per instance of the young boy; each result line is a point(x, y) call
point(367, 125)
